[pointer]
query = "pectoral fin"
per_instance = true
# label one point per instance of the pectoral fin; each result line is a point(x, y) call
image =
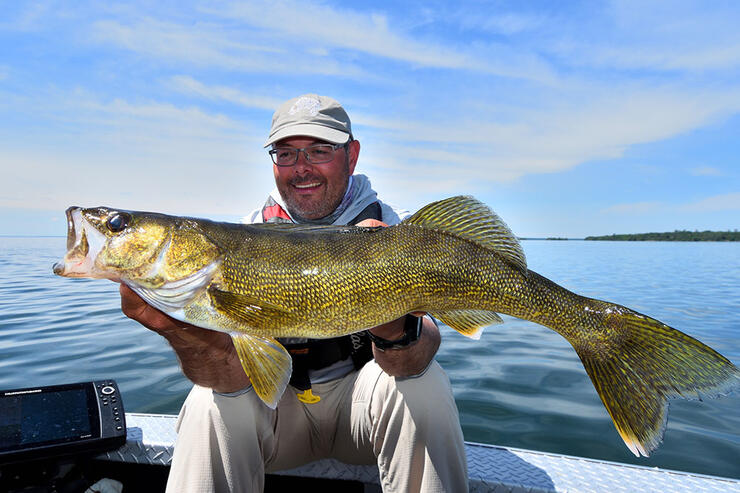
point(246, 309)
point(267, 364)
point(469, 323)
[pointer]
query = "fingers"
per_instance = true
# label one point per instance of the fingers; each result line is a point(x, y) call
point(137, 309)
point(131, 304)
point(207, 357)
point(371, 223)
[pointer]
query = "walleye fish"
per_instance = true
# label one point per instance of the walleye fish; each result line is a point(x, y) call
point(455, 259)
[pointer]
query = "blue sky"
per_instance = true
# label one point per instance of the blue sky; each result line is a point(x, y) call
point(567, 118)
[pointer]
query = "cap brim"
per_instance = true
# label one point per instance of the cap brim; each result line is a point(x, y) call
point(322, 132)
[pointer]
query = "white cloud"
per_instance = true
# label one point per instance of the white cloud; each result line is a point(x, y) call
point(663, 58)
point(211, 45)
point(436, 108)
point(306, 37)
point(149, 156)
point(189, 85)
point(169, 148)
point(599, 124)
point(716, 203)
point(344, 28)
point(706, 171)
point(505, 23)
point(120, 111)
point(175, 182)
point(555, 139)
point(654, 36)
point(24, 16)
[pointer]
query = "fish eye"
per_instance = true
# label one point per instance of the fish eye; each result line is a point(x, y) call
point(118, 222)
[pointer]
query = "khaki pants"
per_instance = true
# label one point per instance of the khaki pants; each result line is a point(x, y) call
point(409, 427)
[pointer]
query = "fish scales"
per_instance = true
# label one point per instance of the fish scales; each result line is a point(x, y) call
point(333, 283)
point(454, 259)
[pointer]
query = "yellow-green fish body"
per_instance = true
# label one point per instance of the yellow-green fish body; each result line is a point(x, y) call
point(454, 259)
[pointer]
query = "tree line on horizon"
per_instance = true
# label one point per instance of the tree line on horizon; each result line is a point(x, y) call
point(678, 235)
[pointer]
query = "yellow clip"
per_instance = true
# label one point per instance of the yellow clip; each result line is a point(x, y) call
point(308, 397)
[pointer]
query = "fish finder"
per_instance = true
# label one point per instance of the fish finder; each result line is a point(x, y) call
point(47, 422)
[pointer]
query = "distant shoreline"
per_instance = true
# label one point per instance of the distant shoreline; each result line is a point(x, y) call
point(674, 236)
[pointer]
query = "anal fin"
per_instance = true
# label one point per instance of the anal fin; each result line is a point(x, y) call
point(267, 363)
point(469, 323)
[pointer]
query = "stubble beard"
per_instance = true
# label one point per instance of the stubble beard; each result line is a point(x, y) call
point(322, 207)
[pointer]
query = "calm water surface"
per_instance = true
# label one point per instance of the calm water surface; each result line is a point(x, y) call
point(521, 385)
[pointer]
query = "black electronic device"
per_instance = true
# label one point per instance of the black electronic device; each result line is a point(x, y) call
point(58, 420)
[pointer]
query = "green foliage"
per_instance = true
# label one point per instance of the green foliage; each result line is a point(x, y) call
point(674, 236)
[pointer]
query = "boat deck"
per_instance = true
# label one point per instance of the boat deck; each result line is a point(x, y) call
point(490, 468)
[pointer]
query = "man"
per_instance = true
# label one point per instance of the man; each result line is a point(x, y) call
point(385, 402)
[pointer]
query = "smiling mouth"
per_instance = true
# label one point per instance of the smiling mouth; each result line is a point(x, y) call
point(307, 185)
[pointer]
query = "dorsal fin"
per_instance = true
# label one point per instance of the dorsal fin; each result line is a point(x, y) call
point(468, 218)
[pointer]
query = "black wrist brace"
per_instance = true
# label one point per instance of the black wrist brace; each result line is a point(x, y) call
point(411, 333)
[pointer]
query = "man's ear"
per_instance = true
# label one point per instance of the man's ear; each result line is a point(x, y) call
point(354, 152)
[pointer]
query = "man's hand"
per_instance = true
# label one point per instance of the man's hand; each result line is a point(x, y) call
point(411, 360)
point(207, 357)
point(137, 309)
point(371, 223)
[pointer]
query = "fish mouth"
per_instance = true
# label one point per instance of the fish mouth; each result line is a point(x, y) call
point(71, 231)
point(79, 259)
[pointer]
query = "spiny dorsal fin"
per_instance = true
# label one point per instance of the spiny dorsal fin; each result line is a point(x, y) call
point(473, 220)
point(469, 323)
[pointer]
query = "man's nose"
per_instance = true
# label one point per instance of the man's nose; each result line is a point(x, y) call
point(302, 165)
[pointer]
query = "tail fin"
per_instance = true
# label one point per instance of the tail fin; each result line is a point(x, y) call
point(643, 364)
point(635, 362)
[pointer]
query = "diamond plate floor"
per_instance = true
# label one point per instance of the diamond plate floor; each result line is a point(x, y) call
point(490, 468)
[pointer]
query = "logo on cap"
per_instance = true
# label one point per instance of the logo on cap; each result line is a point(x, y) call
point(306, 105)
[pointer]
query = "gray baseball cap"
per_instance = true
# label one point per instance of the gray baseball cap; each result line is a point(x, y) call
point(311, 115)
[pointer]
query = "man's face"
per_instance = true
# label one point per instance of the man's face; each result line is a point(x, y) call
point(313, 191)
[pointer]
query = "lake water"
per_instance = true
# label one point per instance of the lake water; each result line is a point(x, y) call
point(521, 385)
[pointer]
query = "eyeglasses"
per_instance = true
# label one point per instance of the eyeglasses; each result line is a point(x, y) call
point(315, 154)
